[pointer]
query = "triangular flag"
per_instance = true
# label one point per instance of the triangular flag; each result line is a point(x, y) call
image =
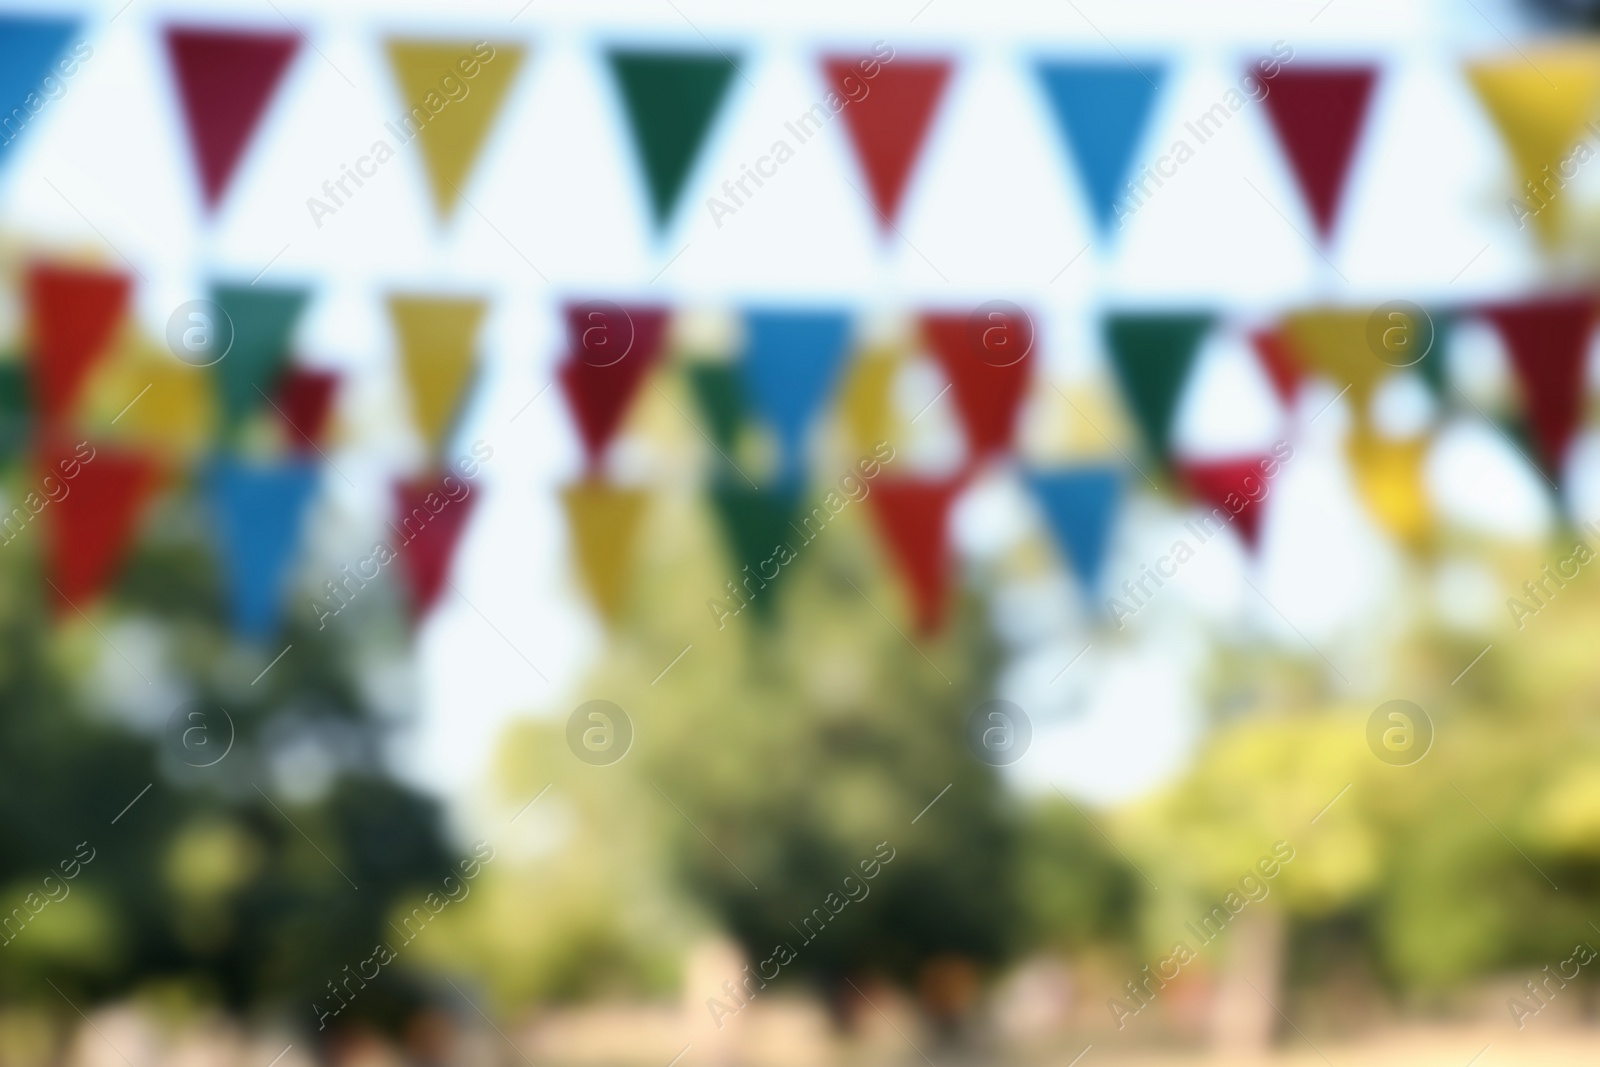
point(259, 512)
point(1237, 486)
point(87, 531)
point(141, 394)
point(754, 523)
point(988, 386)
point(29, 46)
point(888, 124)
point(304, 401)
point(73, 314)
point(1080, 504)
point(225, 78)
point(670, 98)
point(1318, 113)
point(1102, 109)
point(716, 390)
point(603, 521)
point(913, 518)
point(867, 400)
point(263, 320)
point(16, 423)
point(1388, 474)
point(1540, 104)
point(1152, 355)
point(791, 360)
point(1332, 341)
point(1548, 341)
point(1277, 362)
point(599, 388)
point(451, 123)
point(430, 519)
point(438, 355)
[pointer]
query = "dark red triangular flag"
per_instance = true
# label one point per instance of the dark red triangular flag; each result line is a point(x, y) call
point(432, 512)
point(913, 519)
point(987, 380)
point(225, 78)
point(305, 399)
point(888, 123)
point(610, 350)
point(73, 314)
point(1548, 341)
point(1282, 370)
point(1235, 486)
point(90, 518)
point(1318, 113)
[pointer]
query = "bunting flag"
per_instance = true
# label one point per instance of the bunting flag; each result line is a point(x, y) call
point(1318, 113)
point(717, 393)
point(670, 99)
point(141, 395)
point(888, 124)
point(429, 520)
point(867, 402)
point(304, 402)
point(1152, 355)
point(87, 530)
point(755, 522)
point(791, 360)
point(1540, 105)
point(258, 511)
point(603, 522)
point(438, 356)
point(1388, 475)
point(225, 79)
point(16, 415)
point(263, 319)
point(73, 315)
point(599, 384)
point(1278, 363)
point(451, 91)
point(1236, 485)
point(913, 519)
point(1080, 504)
point(1102, 109)
point(1547, 339)
point(988, 385)
point(1332, 342)
point(29, 48)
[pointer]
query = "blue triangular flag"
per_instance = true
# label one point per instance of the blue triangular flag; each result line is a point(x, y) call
point(258, 511)
point(1080, 504)
point(791, 359)
point(28, 48)
point(1102, 108)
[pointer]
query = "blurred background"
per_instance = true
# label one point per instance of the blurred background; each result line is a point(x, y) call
point(669, 532)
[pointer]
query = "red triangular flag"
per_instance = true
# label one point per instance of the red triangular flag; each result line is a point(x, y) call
point(912, 518)
point(988, 381)
point(304, 400)
point(73, 314)
point(428, 535)
point(610, 350)
point(887, 124)
point(1318, 113)
point(1548, 340)
point(1237, 486)
point(1282, 370)
point(87, 528)
point(225, 78)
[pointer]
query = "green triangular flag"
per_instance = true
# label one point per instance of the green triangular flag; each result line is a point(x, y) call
point(15, 422)
point(671, 98)
point(1432, 365)
point(263, 320)
point(754, 523)
point(1152, 355)
point(716, 391)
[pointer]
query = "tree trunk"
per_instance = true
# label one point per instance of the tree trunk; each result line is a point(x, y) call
point(1243, 1014)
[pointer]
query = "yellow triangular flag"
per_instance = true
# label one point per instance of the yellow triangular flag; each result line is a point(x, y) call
point(1333, 342)
point(604, 522)
point(437, 354)
point(143, 394)
point(1539, 103)
point(866, 403)
point(452, 91)
point(1388, 474)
